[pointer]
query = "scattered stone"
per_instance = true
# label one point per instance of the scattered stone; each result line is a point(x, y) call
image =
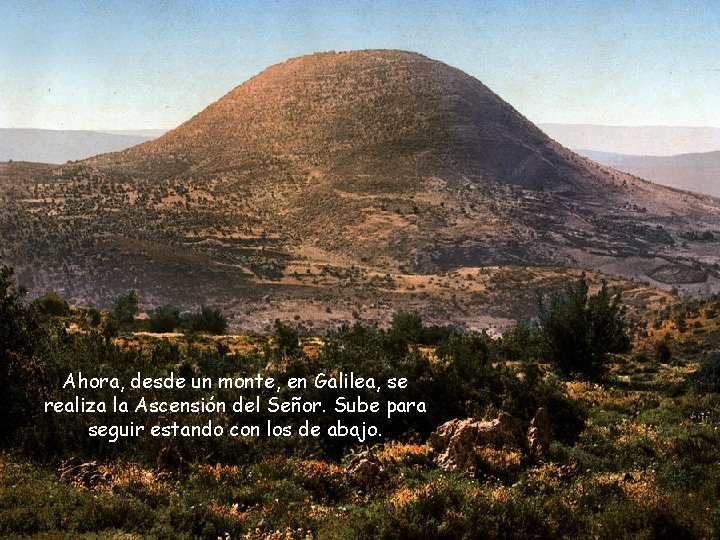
point(83, 475)
point(455, 442)
point(365, 469)
point(539, 433)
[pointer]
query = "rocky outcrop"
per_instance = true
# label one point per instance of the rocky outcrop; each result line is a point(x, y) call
point(455, 442)
point(539, 433)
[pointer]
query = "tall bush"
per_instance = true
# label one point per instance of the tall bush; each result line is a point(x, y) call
point(578, 331)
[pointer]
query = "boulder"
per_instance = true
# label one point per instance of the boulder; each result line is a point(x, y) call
point(455, 442)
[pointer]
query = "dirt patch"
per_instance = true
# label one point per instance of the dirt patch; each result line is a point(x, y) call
point(675, 273)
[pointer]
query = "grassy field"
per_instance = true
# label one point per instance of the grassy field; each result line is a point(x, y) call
point(645, 465)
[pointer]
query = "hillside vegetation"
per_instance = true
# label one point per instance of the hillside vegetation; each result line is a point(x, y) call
point(634, 445)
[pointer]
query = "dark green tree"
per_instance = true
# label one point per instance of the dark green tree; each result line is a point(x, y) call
point(287, 339)
point(707, 377)
point(209, 320)
point(578, 331)
point(407, 326)
point(93, 317)
point(164, 319)
point(50, 304)
point(521, 342)
point(125, 308)
point(663, 352)
point(21, 373)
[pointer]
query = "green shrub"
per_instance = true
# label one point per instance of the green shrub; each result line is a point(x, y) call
point(707, 376)
point(125, 308)
point(50, 304)
point(409, 327)
point(522, 342)
point(663, 352)
point(21, 371)
point(578, 332)
point(287, 339)
point(209, 320)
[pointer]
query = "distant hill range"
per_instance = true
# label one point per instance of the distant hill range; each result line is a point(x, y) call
point(692, 172)
point(59, 146)
point(682, 157)
point(344, 180)
point(636, 140)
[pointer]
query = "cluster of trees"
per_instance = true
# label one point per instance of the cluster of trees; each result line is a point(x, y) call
point(170, 319)
point(707, 377)
point(163, 319)
point(578, 331)
point(20, 369)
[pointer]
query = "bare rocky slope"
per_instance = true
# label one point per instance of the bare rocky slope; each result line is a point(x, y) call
point(361, 165)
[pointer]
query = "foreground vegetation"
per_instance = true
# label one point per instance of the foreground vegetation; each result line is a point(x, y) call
point(644, 465)
point(635, 445)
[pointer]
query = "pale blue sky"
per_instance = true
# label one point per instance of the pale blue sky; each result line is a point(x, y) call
point(153, 64)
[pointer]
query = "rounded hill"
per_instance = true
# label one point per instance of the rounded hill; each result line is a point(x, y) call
point(389, 114)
